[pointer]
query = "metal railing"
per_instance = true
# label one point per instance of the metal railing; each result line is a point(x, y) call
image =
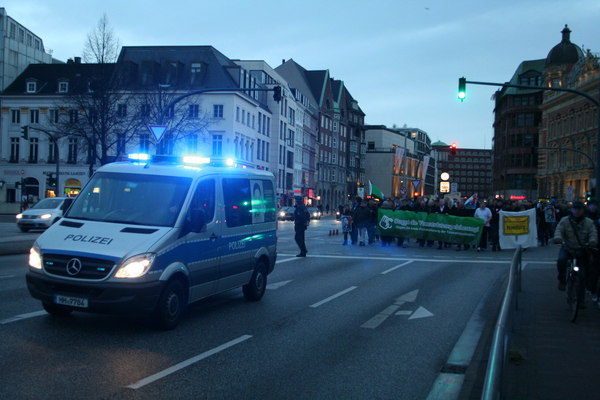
point(499, 350)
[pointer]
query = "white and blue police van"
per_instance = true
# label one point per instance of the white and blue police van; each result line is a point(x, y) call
point(154, 236)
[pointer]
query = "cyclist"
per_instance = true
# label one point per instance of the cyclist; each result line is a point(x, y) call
point(575, 232)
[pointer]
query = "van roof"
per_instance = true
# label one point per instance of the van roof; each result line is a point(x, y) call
point(179, 170)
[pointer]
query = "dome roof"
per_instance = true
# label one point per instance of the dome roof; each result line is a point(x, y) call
point(565, 52)
point(439, 143)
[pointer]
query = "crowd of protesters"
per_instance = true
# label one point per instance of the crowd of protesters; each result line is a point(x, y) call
point(359, 219)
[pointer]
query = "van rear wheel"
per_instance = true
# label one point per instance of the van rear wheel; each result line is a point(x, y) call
point(255, 289)
point(57, 309)
point(171, 305)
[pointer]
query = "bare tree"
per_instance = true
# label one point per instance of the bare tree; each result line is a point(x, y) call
point(101, 45)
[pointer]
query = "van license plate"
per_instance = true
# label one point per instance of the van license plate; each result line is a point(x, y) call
point(71, 301)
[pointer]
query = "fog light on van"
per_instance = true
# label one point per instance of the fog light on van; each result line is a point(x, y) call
point(135, 266)
point(35, 259)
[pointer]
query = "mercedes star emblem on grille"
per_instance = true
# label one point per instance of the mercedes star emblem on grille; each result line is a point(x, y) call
point(74, 266)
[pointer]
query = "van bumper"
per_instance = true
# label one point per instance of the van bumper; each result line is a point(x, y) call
point(102, 297)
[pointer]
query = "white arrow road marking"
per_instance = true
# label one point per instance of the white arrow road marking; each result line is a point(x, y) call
point(404, 312)
point(277, 285)
point(382, 316)
point(421, 312)
point(409, 297)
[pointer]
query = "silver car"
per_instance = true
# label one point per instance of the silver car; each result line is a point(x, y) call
point(43, 213)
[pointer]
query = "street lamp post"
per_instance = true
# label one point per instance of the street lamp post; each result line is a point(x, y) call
point(462, 94)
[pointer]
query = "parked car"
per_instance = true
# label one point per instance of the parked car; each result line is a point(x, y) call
point(43, 213)
point(286, 213)
point(314, 213)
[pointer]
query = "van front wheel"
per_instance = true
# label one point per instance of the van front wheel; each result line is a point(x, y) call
point(171, 305)
point(255, 289)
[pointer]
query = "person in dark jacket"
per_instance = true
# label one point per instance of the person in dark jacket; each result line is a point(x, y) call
point(404, 206)
point(362, 218)
point(301, 221)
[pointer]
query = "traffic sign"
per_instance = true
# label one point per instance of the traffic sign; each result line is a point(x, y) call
point(445, 187)
point(157, 131)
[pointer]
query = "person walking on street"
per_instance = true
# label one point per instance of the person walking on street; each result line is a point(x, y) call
point(346, 223)
point(484, 214)
point(301, 221)
point(362, 218)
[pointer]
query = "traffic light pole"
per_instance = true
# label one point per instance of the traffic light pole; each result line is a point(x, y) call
point(553, 89)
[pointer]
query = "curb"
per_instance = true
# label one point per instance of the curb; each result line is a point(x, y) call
point(16, 247)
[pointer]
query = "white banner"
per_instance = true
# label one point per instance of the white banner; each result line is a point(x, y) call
point(398, 157)
point(425, 166)
point(518, 228)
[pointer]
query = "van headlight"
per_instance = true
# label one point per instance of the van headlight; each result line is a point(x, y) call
point(35, 258)
point(19, 216)
point(45, 216)
point(135, 266)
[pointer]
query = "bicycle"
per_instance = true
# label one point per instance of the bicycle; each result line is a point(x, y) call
point(575, 287)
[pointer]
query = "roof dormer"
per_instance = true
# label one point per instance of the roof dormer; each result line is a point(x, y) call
point(31, 86)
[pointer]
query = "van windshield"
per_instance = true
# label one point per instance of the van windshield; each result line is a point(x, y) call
point(131, 199)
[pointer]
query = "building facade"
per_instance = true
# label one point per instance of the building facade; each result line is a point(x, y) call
point(517, 116)
point(470, 170)
point(19, 47)
point(569, 123)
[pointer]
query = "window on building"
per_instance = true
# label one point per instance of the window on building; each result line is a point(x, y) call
point(34, 116)
point(195, 73)
point(37, 44)
point(192, 143)
point(237, 114)
point(290, 159)
point(13, 31)
point(217, 110)
point(144, 143)
point(72, 154)
point(33, 150)
point(14, 149)
point(217, 145)
point(63, 87)
point(145, 110)
point(194, 111)
point(53, 115)
point(73, 116)
point(31, 87)
point(15, 116)
point(121, 110)
point(51, 153)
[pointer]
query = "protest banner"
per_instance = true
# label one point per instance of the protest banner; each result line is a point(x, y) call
point(420, 225)
point(518, 228)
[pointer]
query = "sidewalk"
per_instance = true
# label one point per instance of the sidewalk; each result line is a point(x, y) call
point(560, 359)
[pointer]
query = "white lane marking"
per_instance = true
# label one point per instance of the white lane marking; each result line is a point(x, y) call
point(387, 271)
point(22, 317)
point(447, 260)
point(6, 276)
point(421, 312)
point(382, 316)
point(187, 363)
point(404, 312)
point(286, 260)
point(335, 296)
point(523, 266)
point(277, 285)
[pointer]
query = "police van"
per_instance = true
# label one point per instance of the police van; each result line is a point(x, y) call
point(154, 236)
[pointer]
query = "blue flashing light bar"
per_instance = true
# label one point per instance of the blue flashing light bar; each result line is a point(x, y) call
point(139, 156)
point(230, 162)
point(196, 160)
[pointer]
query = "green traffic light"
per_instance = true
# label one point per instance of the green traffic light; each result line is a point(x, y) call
point(462, 88)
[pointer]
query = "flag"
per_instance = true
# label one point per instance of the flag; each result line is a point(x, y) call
point(471, 201)
point(374, 191)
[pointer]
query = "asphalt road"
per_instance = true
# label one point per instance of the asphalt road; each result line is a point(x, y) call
point(345, 322)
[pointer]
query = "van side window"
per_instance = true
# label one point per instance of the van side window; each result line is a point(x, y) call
point(263, 201)
point(204, 199)
point(236, 192)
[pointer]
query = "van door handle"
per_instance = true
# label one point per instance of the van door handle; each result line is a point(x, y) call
point(213, 237)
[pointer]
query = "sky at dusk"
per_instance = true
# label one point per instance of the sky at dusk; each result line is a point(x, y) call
point(401, 59)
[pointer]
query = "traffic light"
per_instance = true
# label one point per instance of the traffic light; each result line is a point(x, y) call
point(25, 132)
point(51, 181)
point(462, 89)
point(453, 148)
point(277, 93)
point(588, 196)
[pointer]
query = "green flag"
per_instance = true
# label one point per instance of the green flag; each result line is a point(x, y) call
point(375, 191)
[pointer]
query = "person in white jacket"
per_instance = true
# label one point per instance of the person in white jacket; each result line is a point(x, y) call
point(485, 215)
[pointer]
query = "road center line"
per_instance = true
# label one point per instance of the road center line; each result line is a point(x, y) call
point(395, 268)
point(159, 375)
point(430, 260)
point(22, 317)
point(335, 296)
point(6, 276)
